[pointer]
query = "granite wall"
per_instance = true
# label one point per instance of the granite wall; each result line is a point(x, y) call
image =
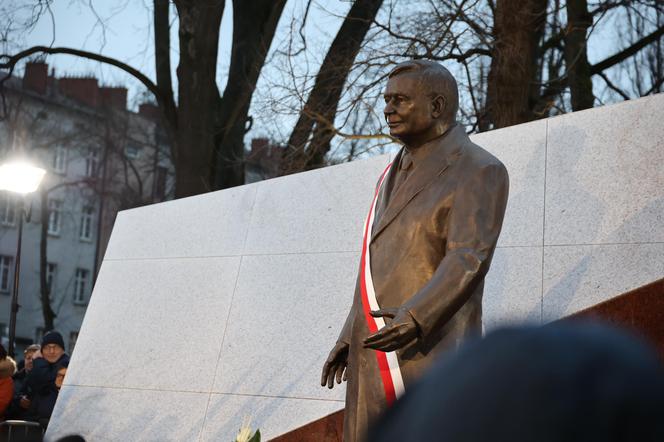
point(220, 307)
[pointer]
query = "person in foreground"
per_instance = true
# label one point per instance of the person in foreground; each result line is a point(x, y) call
point(7, 370)
point(21, 391)
point(25, 366)
point(557, 383)
point(40, 382)
point(428, 243)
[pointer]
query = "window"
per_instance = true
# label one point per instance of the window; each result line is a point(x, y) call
point(60, 160)
point(51, 268)
point(4, 332)
point(80, 285)
point(7, 209)
point(87, 215)
point(54, 216)
point(91, 160)
point(5, 272)
point(160, 182)
point(73, 337)
point(132, 151)
point(39, 334)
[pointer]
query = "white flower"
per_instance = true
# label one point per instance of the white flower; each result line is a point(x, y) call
point(245, 431)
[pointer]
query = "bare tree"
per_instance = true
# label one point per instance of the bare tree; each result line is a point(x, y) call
point(643, 73)
point(579, 20)
point(309, 141)
point(205, 128)
point(514, 62)
point(513, 77)
point(247, 57)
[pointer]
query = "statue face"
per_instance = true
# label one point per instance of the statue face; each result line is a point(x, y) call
point(407, 108)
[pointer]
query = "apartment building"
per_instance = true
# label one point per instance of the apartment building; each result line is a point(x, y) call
point(100, 158)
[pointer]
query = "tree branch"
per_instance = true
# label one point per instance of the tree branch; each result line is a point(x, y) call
point(462, 56)
point(9, 62)
point(556, 86)
point(612, 86)
point(655, 86)
point(627, 52)
point(162, 41)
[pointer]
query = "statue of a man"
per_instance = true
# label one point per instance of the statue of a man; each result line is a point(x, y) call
point(428, 244)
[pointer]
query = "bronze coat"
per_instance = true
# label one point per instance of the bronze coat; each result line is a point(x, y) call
point(431, 247)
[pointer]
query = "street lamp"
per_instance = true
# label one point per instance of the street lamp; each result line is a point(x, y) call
point(22, 178)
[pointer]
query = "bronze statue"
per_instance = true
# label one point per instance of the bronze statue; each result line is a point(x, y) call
point(429, 240)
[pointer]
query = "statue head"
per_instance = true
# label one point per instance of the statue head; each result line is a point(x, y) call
point(421, 101)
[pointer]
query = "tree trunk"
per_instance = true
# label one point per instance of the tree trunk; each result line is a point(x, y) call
point(44, 290)
point(319, 112)
point(198, 96)
point(162, 57)
point(512, 89)
point(576, 58)
point(254, 24)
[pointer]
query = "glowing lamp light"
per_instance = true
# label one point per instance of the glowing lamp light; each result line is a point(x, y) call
point(20, 177)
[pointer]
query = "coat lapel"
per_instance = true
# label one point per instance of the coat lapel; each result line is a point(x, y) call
point(439, 160)
point(384, 195)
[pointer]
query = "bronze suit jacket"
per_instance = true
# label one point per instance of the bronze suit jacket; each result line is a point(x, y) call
point(431, 247)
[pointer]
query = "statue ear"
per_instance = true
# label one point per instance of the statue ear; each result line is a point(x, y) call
point(438, 104)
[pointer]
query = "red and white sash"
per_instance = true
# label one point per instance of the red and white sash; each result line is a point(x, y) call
point(388, 363)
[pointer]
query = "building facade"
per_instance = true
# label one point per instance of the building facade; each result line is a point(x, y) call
point(263, 160)
point(100, 158)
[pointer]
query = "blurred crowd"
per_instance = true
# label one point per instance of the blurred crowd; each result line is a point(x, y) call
point(29, 389)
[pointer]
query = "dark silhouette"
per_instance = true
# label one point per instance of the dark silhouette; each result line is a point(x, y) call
point(562, 382)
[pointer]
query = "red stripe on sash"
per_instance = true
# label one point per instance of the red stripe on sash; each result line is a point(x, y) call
point(388, 384)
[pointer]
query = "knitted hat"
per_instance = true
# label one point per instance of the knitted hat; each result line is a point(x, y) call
point(53, 337)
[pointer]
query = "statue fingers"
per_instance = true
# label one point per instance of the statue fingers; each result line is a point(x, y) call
point(332, 357)
point(334, 373)
point(384, 312)
point(372, 339)
point(341, 369)
point(388, 339)
point(326, 372)
point(330, 380)
point(323, 376)
point(392, 346)
point(389, 332)
point(388, 345)
point(378, 340)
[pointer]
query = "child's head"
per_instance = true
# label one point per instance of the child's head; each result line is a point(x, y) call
point(60, 374)
point(28, 354)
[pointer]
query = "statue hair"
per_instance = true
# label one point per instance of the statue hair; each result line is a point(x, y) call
point(435, 78)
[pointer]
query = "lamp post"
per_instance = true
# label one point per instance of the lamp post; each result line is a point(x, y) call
point(22, 178)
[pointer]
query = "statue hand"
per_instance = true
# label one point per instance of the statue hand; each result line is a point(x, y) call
point(401, 331)
point(335, 365)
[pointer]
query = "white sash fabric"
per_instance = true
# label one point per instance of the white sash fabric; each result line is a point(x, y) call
point(388, 362)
